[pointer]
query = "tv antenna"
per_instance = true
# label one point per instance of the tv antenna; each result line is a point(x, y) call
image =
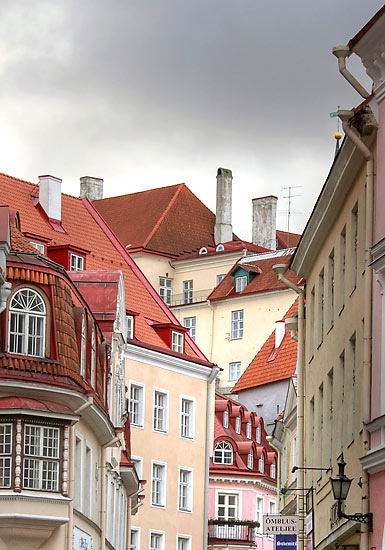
point(290, 197)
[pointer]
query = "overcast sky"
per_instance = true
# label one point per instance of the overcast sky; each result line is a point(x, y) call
point(148, 93)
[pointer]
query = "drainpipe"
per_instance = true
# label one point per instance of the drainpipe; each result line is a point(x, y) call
point(214, 373)
point(280, 270)
point(103, 492)
point(345, 116)
point(71, 482)
point(342, 52)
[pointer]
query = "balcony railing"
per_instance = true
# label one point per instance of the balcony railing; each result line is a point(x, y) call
point(241, 531)
point(190, 297)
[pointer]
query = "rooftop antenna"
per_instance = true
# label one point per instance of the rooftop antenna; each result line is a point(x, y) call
point(338, 133)
point(289, 196)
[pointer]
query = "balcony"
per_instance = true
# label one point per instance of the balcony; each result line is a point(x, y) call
point(240, 532)
point(190, 297)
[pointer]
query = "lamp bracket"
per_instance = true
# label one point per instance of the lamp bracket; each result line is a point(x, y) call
point(360, 518)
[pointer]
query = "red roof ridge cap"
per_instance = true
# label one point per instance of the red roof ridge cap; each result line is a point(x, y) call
point(163, 215)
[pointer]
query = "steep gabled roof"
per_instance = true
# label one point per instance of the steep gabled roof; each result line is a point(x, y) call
point(265, 280)
point(169, 220)
point(287, 240)
point(84, 228)
point(267, 367)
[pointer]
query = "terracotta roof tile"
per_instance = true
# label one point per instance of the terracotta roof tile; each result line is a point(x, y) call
point(287, 240)
point(264, 371)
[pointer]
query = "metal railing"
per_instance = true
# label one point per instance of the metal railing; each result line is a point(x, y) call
point(190, 297)
point(232, 530)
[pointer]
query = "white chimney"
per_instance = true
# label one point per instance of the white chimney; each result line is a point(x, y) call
point(264, 221)
point(280, 329)
point(223, 230)
point(91, 188)
point(50, 196)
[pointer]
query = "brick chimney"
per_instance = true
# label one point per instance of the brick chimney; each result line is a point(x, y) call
point(264, 221)
point(223, 230)
point(91, 188)
point(50, 196)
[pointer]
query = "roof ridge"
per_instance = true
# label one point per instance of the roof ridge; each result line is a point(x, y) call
point(165, 212)
point(140, 192)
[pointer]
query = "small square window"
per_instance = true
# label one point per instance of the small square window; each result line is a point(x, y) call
point(184, 542)
point(177, 341)
point(39, 246)
point(77, 263)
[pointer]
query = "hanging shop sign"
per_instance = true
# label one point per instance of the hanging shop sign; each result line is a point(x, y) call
point(276, 524)
point(285, 542)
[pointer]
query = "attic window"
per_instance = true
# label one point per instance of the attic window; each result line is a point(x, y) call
point(203, 250)
point(76, 262)
point(238, 424)
point(226, 418)
point(220, 248)
point(240, 283)
point(177, 342)
point(40, 247)
point(130, 327)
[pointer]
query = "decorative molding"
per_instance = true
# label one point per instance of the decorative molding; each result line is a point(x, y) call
point(34, 498)
point(376, 424)
point(65, 461)
point(18, 457)
point(374, 460)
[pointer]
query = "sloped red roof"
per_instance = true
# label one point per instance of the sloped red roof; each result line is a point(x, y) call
point(19, 242)
point(287, 240)
point(232, 246)
point(84, 228)
point(29, 404)
point(265, 367)
point(265, 279)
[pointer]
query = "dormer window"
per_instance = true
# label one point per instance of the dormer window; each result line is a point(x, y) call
point(248, 429)
point(223, 453)
point(76, 262)
point(130, 327)
point(258, 434)
point(177, 342)
point(220, 248)
point(261, 464)
point(226, 418)
point(203, 250)
point(240, 283)
point(250, 459)
point(40, 247)
point(238, 424)
point(273, 469)
point(27, 320)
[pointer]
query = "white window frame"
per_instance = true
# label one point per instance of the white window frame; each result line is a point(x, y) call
point(249, 429)
point(165, 290)
point(261, 464)
point(189, 487)
point(136, 530)
point(191, 418)
point(240, 283)
point(162, 484)
point(226, 418)
point(191, 324)
point(6, 455)
point(76, 262)
point(156, 407)
point(184, 538)
point(237, 494)
point(250, 459)
point(273, 469)
point(138, 465)
point(187, 292)
point(259, 514)
point(220, 277)
point(40, 247)
point(234, 370)
point(258, 433)
point(141, 387)
point(33, 323)
point(177, 341)
point(130, 326)
point(40, 458)
point(162, 536)
point(224, 452)
point(238, 424)
point(237, 322)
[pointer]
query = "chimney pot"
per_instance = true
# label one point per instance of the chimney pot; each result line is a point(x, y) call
point(223, 230)
point(91, 188)
point(264, 222)
point(50, 196)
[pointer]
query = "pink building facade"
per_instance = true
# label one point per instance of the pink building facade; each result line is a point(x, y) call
point(243, 473)
point(369, 45)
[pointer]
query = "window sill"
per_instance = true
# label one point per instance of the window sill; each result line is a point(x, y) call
point(160, 431)
point(137, 426)
point(236, 338)
point(158, 506)
point(185, 438)
point(184, 511)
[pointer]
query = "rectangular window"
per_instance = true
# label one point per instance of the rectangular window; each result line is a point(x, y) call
point(78, 474)
point(158, 484)
point(354, 247)
point(160, 411)
point(321, 298)
point(156, 541)
point(184, 542)
point(130, 327)
point(320, 424)
point(41, 458)
point(191, 324)
point(177, 341)
point(240, 283)
point(227, 506)
point(138, 465)
point(234, 370)
point(39, 247)
point(187, 291)
point(220, 278)
point(185, 490)
point(87, 483)
point(136, 404)
point(165, 290)
point(248, 430)
point(238, 425)
point(342, 267)
point(134, 538)
point(259, 518)
point(237, 324)
point(5, 455)
point(331, 290)
point(226, 418)
point(187, 418)
point(77, 263)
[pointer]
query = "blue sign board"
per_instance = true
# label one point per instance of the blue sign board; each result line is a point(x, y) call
point(285, 542)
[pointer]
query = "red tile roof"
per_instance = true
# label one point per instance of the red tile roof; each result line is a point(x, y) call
point(263, 369)
point(84, 228)
point(287, 240)
point(265, 279)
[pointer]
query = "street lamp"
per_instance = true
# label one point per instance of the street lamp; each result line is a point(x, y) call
point(340, 486)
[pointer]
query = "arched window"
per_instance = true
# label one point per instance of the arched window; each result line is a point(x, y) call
point(248, 429)
point(258, 434)
point(273, 469)
point(223, 453)
point(238, 424)
point(250, 459)
point(226, 418)
point(27, 320)
point(220, 248)
point(261, 464)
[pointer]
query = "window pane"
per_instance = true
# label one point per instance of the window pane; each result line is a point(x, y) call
point(31, 473)
point(32, 440)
